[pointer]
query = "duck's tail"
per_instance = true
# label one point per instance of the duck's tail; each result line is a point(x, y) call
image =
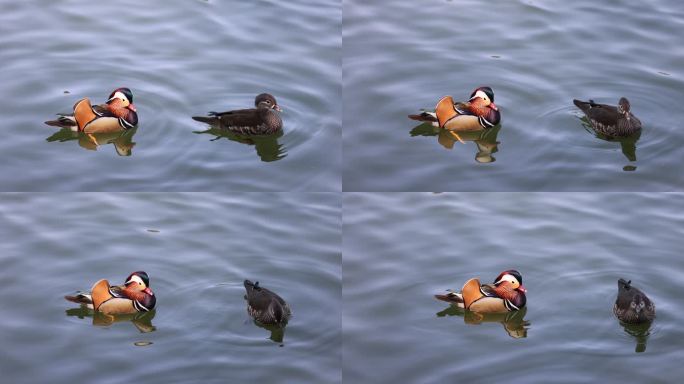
point(583, 105)
point(63, 121)
point(424, 116)
point(206, 119)
point(80, 298)
point(452, 298)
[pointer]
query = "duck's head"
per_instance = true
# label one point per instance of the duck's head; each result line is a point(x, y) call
point(486, 95)
point(623, 106)
point(638, 303)
point(138, 281)
point(123, 97)
point(266, 100)
point(512, 278)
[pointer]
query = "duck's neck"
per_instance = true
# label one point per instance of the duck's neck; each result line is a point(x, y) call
point(117, 110)
point(505, 292)
point(477, 107)
point(271, 118)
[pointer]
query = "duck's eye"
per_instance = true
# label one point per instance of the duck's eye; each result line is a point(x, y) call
point(139, 283)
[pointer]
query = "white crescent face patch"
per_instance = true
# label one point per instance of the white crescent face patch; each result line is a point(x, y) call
point(121, 96)
point(481, 95)
point(136, 279)
point(509, 278)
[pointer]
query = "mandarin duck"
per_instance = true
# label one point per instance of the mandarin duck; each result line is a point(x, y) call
point(507, 293)
point(116, 115)
point(609, 120)
point(265, 306)
point(133, 296)
point(479, 112)
point(262, 120)
point(632, 306)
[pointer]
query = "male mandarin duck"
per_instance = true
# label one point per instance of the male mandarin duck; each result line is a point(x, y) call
point(610, 120)
point(479, 112)
point(262, 120)
point(117, 114)
point(507, 293)
point(632, 306)
point(266, 306)
point(133, 296)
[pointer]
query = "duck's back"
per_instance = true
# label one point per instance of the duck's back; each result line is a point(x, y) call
point(252, 122)
point(266, 306)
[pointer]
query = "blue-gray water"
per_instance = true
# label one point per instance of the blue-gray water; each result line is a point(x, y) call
point(538, 56)
point(197, 250)
point(180, 59)
point(400, 249)
point(382, 325)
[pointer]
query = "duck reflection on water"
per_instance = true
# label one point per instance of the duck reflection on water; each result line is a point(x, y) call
point(484, 139)
point(640, 332)
point(122, 141)
point(628, 144)
point(267, 146)
point(513, 322)
point(277, 331)
point(141, 320)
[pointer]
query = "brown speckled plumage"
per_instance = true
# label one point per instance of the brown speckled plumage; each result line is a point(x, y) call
point(609, 120)
point(266, 306)
point(262, 120)
point(632, 306)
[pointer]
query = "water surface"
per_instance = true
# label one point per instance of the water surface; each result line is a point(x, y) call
point(180, 59)
point(400, 249)
point(197, 250)
point(537, 56)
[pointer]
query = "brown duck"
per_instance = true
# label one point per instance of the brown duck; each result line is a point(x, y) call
point(262, 120)
point(266, 306)
point(609, 120)
point(632, 306)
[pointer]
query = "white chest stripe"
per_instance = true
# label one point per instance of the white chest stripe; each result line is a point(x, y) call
point(139, 307)
point(510, 306)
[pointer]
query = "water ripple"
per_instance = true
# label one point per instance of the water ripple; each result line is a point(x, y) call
point(180, 61)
